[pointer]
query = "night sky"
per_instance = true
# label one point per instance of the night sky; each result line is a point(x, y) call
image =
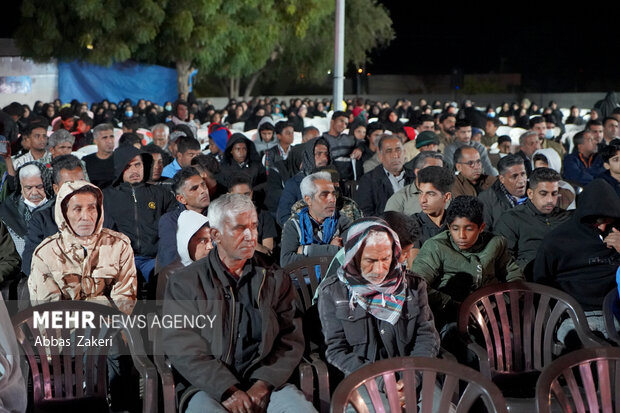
point(560, 47)
point(556, 47)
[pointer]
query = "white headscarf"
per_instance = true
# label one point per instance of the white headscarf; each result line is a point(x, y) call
point(188, 224)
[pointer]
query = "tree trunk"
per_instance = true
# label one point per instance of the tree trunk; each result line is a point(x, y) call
point(250, 85)
point(234, 86)
point(248, 89)
point(183, 72)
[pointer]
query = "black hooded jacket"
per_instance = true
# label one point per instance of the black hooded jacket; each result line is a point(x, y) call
point(573, 256)
point(135, 209)
point(291, 192)
point(251, 167)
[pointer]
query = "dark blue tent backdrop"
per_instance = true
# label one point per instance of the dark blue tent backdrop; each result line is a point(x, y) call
point(90, 83)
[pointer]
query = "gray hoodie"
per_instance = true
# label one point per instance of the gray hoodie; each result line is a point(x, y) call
point(259, 143)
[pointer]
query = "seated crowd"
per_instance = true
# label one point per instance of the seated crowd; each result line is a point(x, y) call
point(416, 215)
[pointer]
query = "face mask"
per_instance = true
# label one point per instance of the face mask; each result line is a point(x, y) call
point(128, 114)
point(168, 108)
point(491, 115)
point(549, 134)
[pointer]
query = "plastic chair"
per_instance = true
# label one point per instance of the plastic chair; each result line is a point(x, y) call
point(516, 326)
point(462, 387)
point(515, 133)
point(313, 372)
point(609, 304)
point(67, 376)
point(584, 380)
point(306, 275)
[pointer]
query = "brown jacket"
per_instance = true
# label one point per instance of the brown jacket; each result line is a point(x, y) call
point(462, 186)
point(99, 268)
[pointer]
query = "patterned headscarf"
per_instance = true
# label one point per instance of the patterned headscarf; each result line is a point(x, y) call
point(383, 301)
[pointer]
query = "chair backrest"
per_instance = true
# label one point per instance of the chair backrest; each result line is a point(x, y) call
point(62, 368)
point(517, 324)
point(306, 275)
point(610, 303)
point(461, 387)
point(581, 381)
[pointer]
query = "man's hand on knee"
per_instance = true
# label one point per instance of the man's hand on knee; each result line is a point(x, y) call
point(259, 394)
point(238, 401)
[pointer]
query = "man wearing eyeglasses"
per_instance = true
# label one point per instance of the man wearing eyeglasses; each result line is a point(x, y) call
point(469, 179)
point(463, 138)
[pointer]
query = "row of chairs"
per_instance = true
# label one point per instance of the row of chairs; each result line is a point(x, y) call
point(510, 328)
point(586, 380)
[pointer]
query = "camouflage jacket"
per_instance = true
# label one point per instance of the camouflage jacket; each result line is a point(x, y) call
point(99, 267)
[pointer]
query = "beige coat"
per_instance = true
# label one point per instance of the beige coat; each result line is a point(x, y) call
point(99, 268)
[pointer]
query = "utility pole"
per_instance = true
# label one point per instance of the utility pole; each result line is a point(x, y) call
point(339, 57)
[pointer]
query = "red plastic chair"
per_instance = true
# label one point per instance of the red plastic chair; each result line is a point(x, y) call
point(70, 377)
point(585, 380)
point(462, 387)
point(512, 330)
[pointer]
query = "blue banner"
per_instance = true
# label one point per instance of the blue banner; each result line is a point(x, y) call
point(91, 83)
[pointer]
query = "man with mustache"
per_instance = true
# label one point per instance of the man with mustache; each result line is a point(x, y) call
point(32, 193)
point(317, 229)
point(373, 308)
point(377, 186)
point(242, 363)
point(507, 192)
point(525, 226)
point(191, 194)
point(135, 207)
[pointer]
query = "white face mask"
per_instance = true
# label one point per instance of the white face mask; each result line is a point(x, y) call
point(32, 205)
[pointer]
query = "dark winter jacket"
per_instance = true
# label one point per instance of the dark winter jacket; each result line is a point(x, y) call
point(495, 204)
point(9, 264)
point(615, 184)
point(577, 172)
point(291, 192)
point(524, 227)
point(204, 357)
point(135, 209)
point(251, 167)
point(350, 332)
point(375, 189)
point(573, 256)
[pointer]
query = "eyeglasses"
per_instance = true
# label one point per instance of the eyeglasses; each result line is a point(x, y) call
point(471, 164)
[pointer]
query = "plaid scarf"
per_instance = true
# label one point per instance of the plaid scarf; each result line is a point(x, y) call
point(384, 301)
point(514, 201)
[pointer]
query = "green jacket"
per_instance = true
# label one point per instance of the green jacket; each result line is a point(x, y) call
point(452, 274)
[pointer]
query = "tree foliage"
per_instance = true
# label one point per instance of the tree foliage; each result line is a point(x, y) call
point(96, 31)
point(225, 38)
point(367, 26)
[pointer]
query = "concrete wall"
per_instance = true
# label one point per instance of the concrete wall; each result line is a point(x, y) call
point(564, 100)
point(44, 80)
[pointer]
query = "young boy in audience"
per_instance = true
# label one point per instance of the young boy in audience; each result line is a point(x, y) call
point(460, 260)
point(434, 183)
